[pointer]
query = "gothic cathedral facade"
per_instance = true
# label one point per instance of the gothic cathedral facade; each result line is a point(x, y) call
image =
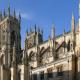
point(57, 58)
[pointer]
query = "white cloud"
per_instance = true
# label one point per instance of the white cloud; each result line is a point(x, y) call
point(25, 15)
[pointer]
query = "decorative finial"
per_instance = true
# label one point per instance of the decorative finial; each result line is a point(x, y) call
point(35, 27)
point(0, 15)
point(27, 32)
point(64, 31)
point(53, 32)
point(9, 9)
point(73, 23)
point(19, 17)
point(42, 32)
point(4, 13)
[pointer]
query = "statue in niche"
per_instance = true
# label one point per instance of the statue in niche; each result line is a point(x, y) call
point(2, 55)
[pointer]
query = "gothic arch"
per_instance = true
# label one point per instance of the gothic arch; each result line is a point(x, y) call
point(13, 37)
point(68, 45)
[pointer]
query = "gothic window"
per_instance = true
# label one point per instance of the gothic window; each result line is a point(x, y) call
point(12, 37)
point(34, 76)
point(68, 46)
point(50, 73)
point(42, 75)
point(59, 71)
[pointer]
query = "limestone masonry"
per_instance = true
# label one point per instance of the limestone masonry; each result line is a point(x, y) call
point(57, 58)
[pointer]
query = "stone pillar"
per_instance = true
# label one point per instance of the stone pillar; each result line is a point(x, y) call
point(74, 67)
point(13, 73)
point(24, 72)
point(4, 73)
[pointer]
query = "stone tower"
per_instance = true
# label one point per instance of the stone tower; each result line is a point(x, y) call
point(33, 38)
point(10, 32)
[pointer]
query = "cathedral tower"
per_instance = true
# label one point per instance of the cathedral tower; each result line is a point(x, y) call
point(33, 38)
point(10, 32)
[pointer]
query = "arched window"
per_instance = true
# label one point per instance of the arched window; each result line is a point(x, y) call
point(60, 70)
point(68, 46)
point(12, 37)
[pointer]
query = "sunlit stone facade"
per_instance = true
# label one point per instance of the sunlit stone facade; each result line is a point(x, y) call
point(57, 58)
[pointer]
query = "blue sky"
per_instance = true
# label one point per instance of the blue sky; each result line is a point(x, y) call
point(43, 13)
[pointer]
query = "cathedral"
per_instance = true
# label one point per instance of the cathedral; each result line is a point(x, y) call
point(57, 58)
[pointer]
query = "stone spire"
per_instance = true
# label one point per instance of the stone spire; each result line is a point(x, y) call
point(53, 43)
point(0, 16)
point(53, 32)
point(73, 24)
point(26, 32)
point(19, 18)
point(73, 42)
point(9, 10)
point(35, 28)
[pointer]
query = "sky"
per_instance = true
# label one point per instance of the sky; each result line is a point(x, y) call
point(43, 13)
